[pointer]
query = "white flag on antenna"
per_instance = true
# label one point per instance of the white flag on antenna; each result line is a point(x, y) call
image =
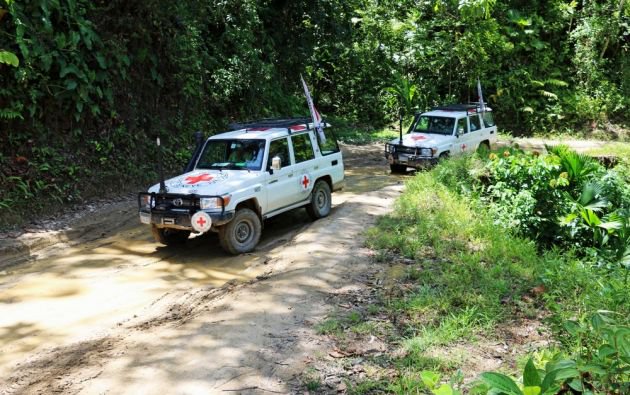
point(317, 119)
point(482, 105)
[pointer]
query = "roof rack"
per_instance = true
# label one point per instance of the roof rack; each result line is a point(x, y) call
point(469, 108)
point(269, 123)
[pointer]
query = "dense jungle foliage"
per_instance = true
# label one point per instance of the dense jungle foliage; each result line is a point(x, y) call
point(494, 239)
point(85, 86)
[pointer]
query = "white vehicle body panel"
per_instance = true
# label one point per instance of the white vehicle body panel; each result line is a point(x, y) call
point(273, 191)
point(423, 148)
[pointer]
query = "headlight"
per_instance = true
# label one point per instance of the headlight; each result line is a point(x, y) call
point(146, 202)
point(214, 203)
point(426, 152)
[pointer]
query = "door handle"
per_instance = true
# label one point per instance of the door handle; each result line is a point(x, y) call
point(273, 181)
point(290, 175)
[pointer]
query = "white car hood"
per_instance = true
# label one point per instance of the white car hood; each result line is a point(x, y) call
point(424, 140)
point(210, 182)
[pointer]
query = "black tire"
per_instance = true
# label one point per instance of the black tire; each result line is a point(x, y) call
point(443, 156)
point(169, 236)
point(242, 233)
point(398, 168)
point(484, 148)
point(321, 201)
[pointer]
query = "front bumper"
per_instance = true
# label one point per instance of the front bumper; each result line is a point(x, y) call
point(162, 213)
point(407, 156)
point(181, 220)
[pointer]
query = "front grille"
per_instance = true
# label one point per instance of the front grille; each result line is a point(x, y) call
point(405, 150)
point(400, 149)
point(182, 202)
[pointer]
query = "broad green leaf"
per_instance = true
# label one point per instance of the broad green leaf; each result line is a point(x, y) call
point(430, 379)
point(531, 378)
point(572, 327)
point(531, 390)
point(597, 321)
point(594, 368)
point(444, 389)
point(501, 382)
point(71, 85)
point(605, 350)
point(576, 384)
point(566, 373)
point(9, 58)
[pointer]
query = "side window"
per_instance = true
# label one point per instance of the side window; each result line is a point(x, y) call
point(279, 148)
point(302, 148)
point(330, 146)
point(488, 119)
point(462, 126)
point(475, 122)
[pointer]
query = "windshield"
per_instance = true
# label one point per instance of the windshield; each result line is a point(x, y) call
point(433, 124)
point(232, 154)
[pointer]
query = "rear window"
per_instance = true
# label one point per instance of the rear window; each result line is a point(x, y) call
point(488, 119)
point(329, 146)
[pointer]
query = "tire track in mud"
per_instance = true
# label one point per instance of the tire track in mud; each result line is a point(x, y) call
point(66, 368)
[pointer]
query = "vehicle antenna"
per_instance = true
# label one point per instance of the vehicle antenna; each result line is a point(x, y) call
point(400, 127)
point(160, 168)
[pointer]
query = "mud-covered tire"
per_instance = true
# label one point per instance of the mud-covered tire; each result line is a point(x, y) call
point(242, 233)
point(398, 169)
point(321, 201)
point(169, 236)
point(483, 148)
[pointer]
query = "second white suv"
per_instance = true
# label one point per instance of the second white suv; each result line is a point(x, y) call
point(242, 177)
point(442, 132)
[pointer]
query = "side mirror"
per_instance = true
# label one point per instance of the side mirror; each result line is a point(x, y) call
point(460, 131)
point(276, 163)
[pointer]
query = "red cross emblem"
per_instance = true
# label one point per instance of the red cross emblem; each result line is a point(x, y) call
point(305, 181)
point(190, 180)
point(418, 137)
point(202, 222)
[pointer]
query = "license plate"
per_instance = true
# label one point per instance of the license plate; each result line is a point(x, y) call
point(168, 221)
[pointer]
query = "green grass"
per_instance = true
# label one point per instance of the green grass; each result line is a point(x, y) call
point(468, 277)
point(621, 150)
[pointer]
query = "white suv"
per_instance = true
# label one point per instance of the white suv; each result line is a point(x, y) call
point(444, 131)
point(238, 179)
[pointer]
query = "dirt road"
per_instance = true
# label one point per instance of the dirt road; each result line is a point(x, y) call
point(100, 308)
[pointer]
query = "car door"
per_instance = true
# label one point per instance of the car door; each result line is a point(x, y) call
point(281, 184)
point(305, 165)
point(476, 132)
point(464, 137)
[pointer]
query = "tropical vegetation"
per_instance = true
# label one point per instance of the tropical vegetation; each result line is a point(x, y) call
point(86, 86)
point(494, 241)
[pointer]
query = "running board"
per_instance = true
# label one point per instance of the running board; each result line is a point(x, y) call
point(287, 208)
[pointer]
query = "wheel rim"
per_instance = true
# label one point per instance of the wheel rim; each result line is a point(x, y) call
point(243, 231)
point(321, 200)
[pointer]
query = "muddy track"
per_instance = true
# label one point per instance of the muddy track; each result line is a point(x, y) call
point(97, 307)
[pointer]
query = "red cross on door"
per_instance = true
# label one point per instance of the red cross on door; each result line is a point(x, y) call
point(305, 182)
